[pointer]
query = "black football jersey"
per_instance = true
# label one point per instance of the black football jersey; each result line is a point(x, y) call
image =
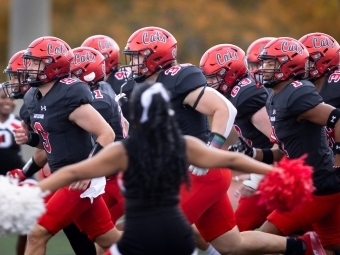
point(297, 138)
point(116, 80)
point(24, 115)
point(64, 142)
point(330, 93)
point(104, 102)
point(180, 80)
point(248, 99)
point(10, 153)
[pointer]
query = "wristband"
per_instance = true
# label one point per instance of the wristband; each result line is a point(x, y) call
point(96, 148)
point(216, 140)
point(268, 156)
point(33, 139)
point(30, 168)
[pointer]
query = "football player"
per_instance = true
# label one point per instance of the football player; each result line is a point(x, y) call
point(225, 68)
point(298, 114)
point(60, 111)
point(151, 53)
point(116, 77)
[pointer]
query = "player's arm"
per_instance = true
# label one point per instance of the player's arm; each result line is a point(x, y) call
point(325, 115)
point(261, 121)
point(32, 166)
point(108, 161)
point(202, 156)
point(86, 117)
point(213, 104)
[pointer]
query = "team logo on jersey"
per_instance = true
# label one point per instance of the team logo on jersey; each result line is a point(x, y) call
point(222, 59)
point(43, 108)
point(272, 118)
point(120, 75)
point(38, 116)
point(87, 57)
point(317, 44)
point(335, 77)
point(291, 47)
point(59, 50)
point(150, 38)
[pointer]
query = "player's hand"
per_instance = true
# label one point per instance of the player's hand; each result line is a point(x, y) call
point(21, 134)
point(242, 146)
point(17, 174)
point(244, 191)
point(80, 185)
point(121, 98)
point(198, 171)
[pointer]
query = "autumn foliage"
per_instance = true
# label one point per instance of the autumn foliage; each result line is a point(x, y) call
point(197, 24)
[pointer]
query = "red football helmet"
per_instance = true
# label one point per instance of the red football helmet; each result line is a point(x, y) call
point(323, 53)
point(56, 56)
point(158, 48)
point(106, 46)
point(291, 60)
point(15, 70)
point(226, 63)
point(88, 65)
point(254, 51)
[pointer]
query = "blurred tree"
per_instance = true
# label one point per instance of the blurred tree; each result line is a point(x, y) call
point(197, 24)
point(4, 27)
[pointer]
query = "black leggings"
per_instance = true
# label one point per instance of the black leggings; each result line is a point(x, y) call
point(79, 241)
point(159, 231)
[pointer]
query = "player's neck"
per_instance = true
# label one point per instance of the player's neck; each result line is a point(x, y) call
point(153, 78)
point(46, 87)
point(319, 82)
point(280, 86)
point(107, 76)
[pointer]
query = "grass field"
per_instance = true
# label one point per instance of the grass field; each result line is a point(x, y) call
point(58, 245)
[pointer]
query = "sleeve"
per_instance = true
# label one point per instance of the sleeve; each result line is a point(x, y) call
point(302, 99)
point(25, 116)
point(190, 79)
point(77, 95)
point(103, 108)
point(252, 99)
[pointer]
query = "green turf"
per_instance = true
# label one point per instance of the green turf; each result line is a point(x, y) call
point(58, 245)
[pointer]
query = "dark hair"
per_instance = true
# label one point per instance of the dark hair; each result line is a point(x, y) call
point(156, 148)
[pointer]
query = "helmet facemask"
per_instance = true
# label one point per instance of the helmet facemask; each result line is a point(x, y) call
point(219, 81)
point(133, 63)
point(37, 77)
point(15, 87)
point(262, 74)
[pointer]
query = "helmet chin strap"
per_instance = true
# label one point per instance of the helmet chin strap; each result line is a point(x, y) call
point(143, 77)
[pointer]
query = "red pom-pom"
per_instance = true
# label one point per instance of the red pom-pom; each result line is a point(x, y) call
point(288, 186)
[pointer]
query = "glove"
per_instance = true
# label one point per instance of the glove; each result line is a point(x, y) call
point(121, 99)
point(242, 146)
point(198, 171)
point(17, 174)
point(254, 180)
